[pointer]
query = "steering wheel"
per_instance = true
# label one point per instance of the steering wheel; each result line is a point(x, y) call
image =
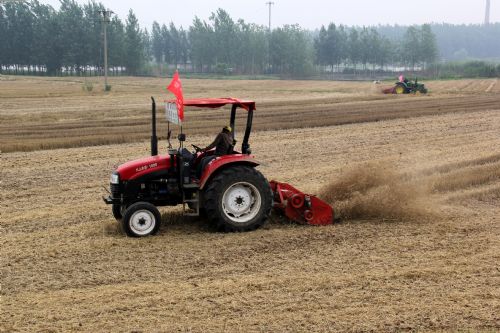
point(196, 148)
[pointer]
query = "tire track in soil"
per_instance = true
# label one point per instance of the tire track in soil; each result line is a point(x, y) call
point(491, 86)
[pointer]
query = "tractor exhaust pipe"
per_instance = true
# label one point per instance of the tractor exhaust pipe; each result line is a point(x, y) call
point(154, 138)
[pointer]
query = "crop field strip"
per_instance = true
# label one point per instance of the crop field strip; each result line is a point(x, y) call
point(67, 267)
point(73, 121)
point(321, 112)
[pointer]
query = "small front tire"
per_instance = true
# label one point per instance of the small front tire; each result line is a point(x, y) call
point(141, 219)
point(118, 211)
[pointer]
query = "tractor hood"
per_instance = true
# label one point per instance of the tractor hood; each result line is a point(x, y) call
point(140, 167)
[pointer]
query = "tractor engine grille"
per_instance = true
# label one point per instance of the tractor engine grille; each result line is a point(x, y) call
point(115, 191)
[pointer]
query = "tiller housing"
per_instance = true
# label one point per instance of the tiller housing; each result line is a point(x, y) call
point(300, 207)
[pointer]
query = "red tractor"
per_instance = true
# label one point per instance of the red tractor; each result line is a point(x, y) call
point(229, 190)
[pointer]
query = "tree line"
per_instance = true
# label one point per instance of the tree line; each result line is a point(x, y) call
point(340, 45)
point(39, 38)
point(458, 42)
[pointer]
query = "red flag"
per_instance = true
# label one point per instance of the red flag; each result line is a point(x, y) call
point(176, 88)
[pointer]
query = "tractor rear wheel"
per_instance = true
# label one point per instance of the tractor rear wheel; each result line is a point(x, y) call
point(141, 219)
point(400, 89)
point(238, 199)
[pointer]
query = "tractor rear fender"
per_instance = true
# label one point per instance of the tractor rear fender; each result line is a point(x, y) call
point(224, 162)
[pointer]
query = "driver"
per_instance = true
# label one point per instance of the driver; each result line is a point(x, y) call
point(223, 143)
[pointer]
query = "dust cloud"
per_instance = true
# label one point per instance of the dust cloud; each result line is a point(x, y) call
point(378, 190)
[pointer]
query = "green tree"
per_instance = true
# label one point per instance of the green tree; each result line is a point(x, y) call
point(201, 37)
point(157, 42)
point(291, 51)
point(54, 48)
point(73, 34)
point(134, 48)
point(365, 47)
point(3, 37)
point(166, 44)
point(146, 43)
point(354, 48)
point(20, 34)
point(183, 46)
point(373, 47)
point(116, 43)
point(42, 14)
point(332, 47)
point(428, 45)
point(93, 34)
point(175, 44)
point(411, 52)
point(251, 52)
point(385, 53)
point(342, 45)
point(225, 37)
point(321, 47)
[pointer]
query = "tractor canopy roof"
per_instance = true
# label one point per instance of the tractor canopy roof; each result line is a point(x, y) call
point(219, 102)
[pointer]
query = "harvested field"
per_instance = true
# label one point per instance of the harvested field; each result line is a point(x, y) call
point(67, 267)
point(56, 113)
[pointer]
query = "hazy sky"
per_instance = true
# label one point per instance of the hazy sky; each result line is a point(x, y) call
point(309, 14)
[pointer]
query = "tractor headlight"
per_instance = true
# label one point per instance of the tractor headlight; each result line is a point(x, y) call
point(115, 178)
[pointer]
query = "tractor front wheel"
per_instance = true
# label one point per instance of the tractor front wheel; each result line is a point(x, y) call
point(238, 199)
point(141, 219)
point(118, 211)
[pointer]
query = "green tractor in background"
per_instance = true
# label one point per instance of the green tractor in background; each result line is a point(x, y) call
point(403, 86)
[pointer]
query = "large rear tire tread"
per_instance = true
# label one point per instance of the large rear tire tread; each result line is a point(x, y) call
point(400, 89)
point(222, 181)
point(127, 224)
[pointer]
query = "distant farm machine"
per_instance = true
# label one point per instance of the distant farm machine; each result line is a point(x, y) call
point(406, 87)
point(228, 191)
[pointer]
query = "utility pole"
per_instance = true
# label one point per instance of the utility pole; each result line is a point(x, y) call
point(105, 20)
point(269, 3)
point(487, 15)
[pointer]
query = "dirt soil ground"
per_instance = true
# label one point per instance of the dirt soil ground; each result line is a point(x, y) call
point(66, 267)
point(47, 113)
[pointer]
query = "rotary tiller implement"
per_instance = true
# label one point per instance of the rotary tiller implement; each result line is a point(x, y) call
point(300, 207)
